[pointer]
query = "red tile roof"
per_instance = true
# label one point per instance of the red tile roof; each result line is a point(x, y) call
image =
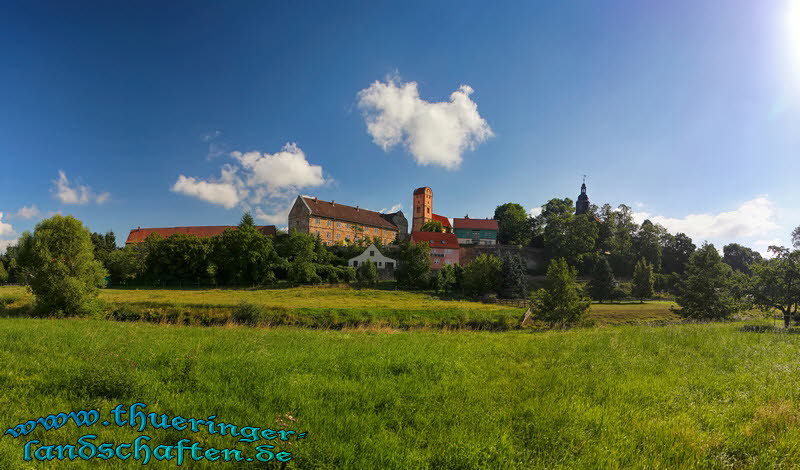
point(338, 211)
point(475, 224)
point(444, 220)
point(138, 235)
point(436, 239)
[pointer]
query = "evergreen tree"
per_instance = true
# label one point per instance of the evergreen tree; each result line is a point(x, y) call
point(561, 302)
point(3, 274)
point(513, 277)
point(643, 280)
point(706, 291)
point(602, 285)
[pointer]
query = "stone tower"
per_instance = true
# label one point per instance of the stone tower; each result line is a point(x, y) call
point(423, 208)
point(582, 206)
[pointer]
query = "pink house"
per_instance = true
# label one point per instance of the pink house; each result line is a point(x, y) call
point(444, 247)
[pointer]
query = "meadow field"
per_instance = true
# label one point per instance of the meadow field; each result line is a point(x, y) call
point(329, 307)
point(631, 396)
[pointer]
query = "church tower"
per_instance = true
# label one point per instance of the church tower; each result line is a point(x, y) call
point(423, 207)
point(582, 206)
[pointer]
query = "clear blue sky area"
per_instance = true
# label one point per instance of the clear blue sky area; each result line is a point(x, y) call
point(151, 114)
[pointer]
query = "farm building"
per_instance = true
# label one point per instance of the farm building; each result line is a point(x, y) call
point(139, 234)
point(476, 231)
point(340, 223)
point(373, 254)
point(444, 247)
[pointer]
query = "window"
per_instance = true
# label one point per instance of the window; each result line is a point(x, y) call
point(372, 252)
point(376, 230)
point(329, 223)
point(380, 263)
point(355, 263)
point(338, 236)
point(436, 261)
point(329, 234)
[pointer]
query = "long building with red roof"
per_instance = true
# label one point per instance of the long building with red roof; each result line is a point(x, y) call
point(138, 235)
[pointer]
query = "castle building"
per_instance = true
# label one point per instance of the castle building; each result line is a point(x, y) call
point(339, 223)
point(582, 205)
point(423, 211)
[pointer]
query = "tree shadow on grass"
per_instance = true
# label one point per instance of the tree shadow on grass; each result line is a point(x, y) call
point(769, 329)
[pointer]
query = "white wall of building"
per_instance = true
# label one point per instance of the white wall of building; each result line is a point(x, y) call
point(372, 254)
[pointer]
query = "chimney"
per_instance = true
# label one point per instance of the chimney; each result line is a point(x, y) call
point(333, 203)
point(139, 227)
point(315, 198)
point(357, 209)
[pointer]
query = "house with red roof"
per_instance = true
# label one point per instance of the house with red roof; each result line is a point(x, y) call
point(444, 247)
point(138, 235)
point(476, 231)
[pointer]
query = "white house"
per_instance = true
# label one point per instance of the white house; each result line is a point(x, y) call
point(372, 254)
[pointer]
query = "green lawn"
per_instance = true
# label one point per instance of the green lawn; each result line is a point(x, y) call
point(678, 396)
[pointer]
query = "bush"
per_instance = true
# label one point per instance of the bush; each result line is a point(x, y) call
point(367, 273)
point(247, 313)
point(483, 275)
point(59, 263)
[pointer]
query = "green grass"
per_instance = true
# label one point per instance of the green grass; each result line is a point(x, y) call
point(679, 396)
point(336, 307)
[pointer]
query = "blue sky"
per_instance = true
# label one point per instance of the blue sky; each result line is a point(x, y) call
point(187, 113)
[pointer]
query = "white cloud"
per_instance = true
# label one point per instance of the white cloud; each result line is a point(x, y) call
point(275, 174)
point(28, 212)
point(535, 212)
point(68, 193)
point(223, 193)
point(5, 244)
point(434, 133)
point(392, 209)
point(257, 178)
point(278, 217)
point(5, 228)
point(754, 218)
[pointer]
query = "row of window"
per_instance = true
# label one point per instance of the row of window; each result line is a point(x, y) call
point(329, 223)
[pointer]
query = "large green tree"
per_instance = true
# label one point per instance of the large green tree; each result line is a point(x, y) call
point(561, 302)
point(707, 290)
point(367, 273)
point(445, 280)
point(104, 245)
point(60, 267)
point(513, 272)
point(483, 275)
point(739, 257)
point(643, 280)
point(178, 259)
point(777, 283)
point(245, 256)
point(675, 252)
point(647, 243)
point(514, 224)
point(415, 265)
point(602, 285)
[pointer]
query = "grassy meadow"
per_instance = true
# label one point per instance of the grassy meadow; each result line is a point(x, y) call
point(677, 396)
point(329, 307)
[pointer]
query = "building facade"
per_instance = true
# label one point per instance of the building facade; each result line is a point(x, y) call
point(138, 235)
point(476, 231)
point(423, 210)
point(341, 224)
point(373, 254)
point(444, 247)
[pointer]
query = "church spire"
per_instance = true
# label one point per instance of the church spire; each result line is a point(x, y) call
point(582, 205)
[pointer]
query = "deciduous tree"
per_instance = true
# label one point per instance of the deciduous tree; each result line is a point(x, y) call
point(643, 280)
point(561, 302)
point(514, 224)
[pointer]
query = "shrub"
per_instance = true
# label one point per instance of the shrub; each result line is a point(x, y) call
point(562, 301)
point(483, 275)
point(59, 263)
point(367, 273)
point(247, 313)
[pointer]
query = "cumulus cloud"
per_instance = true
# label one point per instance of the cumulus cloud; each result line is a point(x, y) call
point(5, 228)
point(28, 212)
point(69, 193)
point(257, 178)
point(392, 209)
point(753, 218)
point(5, 244)
point(434, 133)
point(535, 212)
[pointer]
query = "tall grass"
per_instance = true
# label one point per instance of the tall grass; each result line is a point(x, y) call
point(681, 396)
